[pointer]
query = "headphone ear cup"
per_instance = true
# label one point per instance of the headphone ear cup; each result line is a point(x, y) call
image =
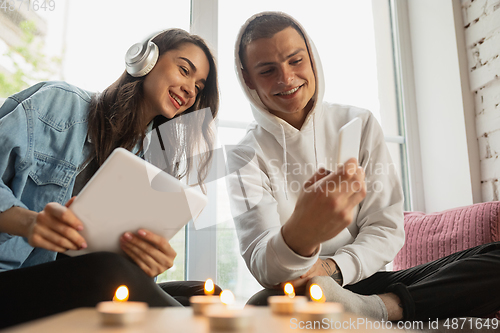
point(141, 58)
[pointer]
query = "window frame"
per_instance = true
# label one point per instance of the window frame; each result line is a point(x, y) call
point(405, 93)
point(201, 251)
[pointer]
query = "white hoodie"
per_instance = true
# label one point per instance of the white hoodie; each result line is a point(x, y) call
point(274, 160)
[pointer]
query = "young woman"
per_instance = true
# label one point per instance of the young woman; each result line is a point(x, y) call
point(54, 137)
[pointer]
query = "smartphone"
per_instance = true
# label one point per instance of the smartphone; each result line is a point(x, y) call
point(349, 140)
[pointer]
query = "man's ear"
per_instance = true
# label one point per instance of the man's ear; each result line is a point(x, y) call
point(248, 80)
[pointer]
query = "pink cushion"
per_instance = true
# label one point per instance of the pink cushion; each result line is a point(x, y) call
point(433, 236)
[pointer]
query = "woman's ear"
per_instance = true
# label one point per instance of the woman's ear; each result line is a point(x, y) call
point(248, 80)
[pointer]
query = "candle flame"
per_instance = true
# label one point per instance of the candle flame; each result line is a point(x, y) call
point(289, 290)
point(226, 297)
point(121, 294)
point(209, 287)
point(317, 294)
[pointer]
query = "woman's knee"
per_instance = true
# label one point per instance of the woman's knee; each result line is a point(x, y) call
point(109, 259)
point(106, 265)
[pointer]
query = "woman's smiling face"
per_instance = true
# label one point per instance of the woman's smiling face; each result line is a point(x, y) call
point(175, 81)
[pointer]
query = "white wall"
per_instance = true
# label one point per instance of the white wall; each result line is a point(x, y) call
point(482, 36)
point(444, 105)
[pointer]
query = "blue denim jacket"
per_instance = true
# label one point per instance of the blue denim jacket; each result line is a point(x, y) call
point(43, 146)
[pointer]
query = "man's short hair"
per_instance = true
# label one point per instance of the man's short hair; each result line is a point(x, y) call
point(264, 26)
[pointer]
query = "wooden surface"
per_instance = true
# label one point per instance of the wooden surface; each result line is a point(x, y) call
point(182, 320)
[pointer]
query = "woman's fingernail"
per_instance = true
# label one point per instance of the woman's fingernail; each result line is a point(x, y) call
point(79, 228)
point(127, 236)
point(83, 245)
point(141, 232)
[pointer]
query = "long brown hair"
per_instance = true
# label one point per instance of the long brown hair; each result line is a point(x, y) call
point(117, 115)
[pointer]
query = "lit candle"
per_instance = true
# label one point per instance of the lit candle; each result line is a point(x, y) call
point(318, 309)
point(316, 293)
point(288, 304)
point(227, 297)
point(120, 311)
point(200, 303)
point(226, 318)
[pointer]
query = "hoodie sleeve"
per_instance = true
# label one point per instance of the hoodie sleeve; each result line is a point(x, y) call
point(380, 221)
point(257, 222)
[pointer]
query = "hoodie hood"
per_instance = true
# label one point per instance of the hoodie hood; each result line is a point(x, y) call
point(277, 127)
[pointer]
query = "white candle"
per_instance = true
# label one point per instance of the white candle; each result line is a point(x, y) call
point(312, 311)
point(228, 319)
point(223, 317)
point(201, 303)
point(288, 304)
point(120, 311)
point(318, 309)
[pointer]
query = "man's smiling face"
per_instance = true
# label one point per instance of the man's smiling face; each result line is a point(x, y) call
point(279, 69)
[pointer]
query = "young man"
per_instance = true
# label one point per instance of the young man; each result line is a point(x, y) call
point(298, 222)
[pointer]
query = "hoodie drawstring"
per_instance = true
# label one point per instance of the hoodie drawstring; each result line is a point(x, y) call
point(283, 138)
point(285, 160)
point(314, 142)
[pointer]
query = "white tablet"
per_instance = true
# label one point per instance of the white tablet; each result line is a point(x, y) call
point(127, 194)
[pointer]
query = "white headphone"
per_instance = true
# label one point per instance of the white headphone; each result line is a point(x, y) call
point(142, 57)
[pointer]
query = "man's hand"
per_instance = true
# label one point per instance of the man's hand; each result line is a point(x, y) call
point(151, 252)
point(326, 267)
point(321, 267)
point(324, 208)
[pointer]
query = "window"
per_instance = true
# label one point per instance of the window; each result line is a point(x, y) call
point(90, 39)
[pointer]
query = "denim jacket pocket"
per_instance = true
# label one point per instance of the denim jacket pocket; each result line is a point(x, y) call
point(50, 181)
